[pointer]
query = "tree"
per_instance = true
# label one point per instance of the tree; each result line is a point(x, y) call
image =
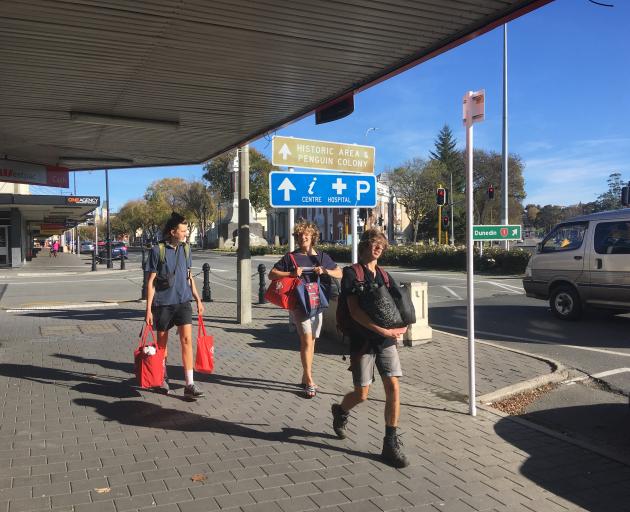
point(197, 200)
point(446, 153)
point(131, 217)
point(414, 185)
point(218, 173)
point(611, 199)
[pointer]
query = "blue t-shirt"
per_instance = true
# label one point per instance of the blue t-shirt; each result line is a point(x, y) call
point(174, 260)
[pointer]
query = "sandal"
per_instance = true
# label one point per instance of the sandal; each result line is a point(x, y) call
point(310, 391)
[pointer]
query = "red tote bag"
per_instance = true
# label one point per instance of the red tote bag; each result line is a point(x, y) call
point(204, 360)
point(149, 368)
point(282, 292)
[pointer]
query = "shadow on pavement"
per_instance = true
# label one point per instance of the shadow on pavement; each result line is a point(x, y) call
point(108, 313)
point(86, 383)
point(597, 328)
point(145, 414)
point(585, 478)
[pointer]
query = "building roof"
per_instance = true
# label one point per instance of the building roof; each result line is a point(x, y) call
point(89, 85)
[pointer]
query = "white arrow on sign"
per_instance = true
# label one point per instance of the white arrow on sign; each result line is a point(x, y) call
point(286, 186)
point(285, 152)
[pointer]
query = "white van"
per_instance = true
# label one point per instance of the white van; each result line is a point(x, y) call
point(583, 262)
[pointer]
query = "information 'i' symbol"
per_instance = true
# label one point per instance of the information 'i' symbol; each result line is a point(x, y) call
point(310, 187)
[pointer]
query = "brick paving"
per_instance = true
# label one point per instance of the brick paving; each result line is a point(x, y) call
point(77, 435)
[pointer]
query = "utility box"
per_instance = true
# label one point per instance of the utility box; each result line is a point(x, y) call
point(420, 332)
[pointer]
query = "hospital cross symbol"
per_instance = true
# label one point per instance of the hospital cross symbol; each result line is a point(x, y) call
point(339, 186)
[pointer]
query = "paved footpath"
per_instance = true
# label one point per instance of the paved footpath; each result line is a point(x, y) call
point(77, 435)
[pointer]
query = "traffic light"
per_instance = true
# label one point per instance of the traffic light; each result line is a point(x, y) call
point(491, 192)
point(445, 221)
point(380, 220)
point(441, 196)
point(625, 195)
point(363, 214)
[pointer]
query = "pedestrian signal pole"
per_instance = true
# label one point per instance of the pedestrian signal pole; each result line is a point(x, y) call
point(474, 111)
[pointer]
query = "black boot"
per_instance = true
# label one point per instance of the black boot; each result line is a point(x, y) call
point(392, 452)
point(340, 421)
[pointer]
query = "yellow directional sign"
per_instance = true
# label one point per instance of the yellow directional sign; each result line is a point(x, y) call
point(318, 154)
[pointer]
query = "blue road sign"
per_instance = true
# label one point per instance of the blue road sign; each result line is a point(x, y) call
point(321, 190)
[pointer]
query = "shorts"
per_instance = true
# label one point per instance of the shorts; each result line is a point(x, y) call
point(387, 362)
point(165, 317)
point(306, 325)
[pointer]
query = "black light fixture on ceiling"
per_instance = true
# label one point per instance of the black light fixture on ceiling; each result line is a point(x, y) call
point(128, 122)
point(337, 110)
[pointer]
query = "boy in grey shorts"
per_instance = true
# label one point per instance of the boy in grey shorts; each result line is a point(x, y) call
point(371, 348)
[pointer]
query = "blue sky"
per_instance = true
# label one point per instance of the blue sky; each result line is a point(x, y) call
point(569, 106)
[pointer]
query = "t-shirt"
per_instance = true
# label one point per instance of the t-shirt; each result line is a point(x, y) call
point(307, 262)
point(174, 260)
point(359, 334)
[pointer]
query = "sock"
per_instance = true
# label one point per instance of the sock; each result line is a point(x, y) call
point(390, 432)
point(189, 378)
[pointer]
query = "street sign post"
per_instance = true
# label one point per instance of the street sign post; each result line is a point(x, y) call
point(326, 156)
point(499, 232)
point(321, 190)
point(473, 112)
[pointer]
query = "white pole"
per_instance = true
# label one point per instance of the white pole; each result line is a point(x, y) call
point(470, 290)
point(291, 224)
point(450, 198)
point(504, 176)
point(353, 226)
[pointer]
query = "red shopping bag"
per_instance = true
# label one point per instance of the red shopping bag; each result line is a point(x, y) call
point(204, 360)
point(149, 368)
point(282, 292)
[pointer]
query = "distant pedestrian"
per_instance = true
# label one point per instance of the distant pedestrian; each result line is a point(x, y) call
point(310, 264)
point(170, 289)
point(55, 248)
point(371, 346)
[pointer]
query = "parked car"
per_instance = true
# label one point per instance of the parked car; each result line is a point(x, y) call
point(87, 246)
point(119, 249)
point(583, 262)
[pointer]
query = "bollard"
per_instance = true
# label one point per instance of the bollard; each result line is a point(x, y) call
point(261, 284)
point(122, 261)
point(206, 293)
point(94, 261)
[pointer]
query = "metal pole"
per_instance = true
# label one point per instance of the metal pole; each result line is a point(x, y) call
point(470, 289)
point(77, 247)
point(108, 242)
point(244, 262)
point(450, 197)
point(291, 225)
point(206, 293)
point(261, 284)
point(505, 182)
point(355, 242)
point(95, 251)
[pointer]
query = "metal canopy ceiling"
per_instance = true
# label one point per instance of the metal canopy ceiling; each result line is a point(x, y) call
point(215, 73)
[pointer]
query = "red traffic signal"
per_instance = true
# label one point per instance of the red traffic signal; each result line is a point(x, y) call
point(491, 192)
point(445, 221)
point(441, 196)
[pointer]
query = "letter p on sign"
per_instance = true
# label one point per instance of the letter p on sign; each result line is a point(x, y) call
point(363, 187)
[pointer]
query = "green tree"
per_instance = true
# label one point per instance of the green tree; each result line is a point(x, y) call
point(611, 199)
point(130, 218)
point(197, 200)
point(445, 151)
point(218, 173)
point(414, 185)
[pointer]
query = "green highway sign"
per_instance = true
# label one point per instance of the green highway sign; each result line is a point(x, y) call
point(501, 232)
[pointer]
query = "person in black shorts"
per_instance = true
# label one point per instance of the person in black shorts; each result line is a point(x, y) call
point(371, 347)
point(170, 289)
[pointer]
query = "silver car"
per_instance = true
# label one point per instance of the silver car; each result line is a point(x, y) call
point(583, 262)
point(87, 246)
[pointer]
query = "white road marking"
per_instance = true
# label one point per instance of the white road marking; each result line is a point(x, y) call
point(22, 283)
point(452, 292)
point(417, 274)
point(64, 306)
point(507, 287)
point(599, 375)
point(533, 340)
point(212, 269)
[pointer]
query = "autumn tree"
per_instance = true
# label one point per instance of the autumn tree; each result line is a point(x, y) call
point(414, 185)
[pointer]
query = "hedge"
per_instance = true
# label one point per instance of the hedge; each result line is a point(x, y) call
point(426, 257)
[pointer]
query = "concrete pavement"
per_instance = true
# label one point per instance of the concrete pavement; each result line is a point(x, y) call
point(76, 435)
